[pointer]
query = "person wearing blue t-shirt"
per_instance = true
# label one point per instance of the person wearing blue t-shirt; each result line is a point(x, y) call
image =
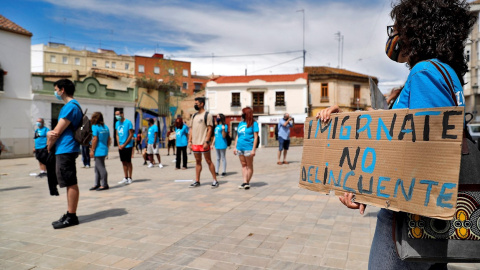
point(100, 143)
point(41, 152)
point(220, 143)
point(437, 62)
point(152, 143)
point(181, 141)
point(124, 136)
point(66, 149)
point(284, 126)
point(246, 144)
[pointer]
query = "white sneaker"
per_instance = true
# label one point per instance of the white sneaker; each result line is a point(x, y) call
point(88, 166)
point(150, 165)
point(124, 181)
point(160, 165)
point(129, 181)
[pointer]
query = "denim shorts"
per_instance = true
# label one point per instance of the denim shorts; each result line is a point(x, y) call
point(246, 153)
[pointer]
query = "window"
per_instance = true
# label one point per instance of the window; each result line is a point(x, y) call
point(107, 64)
point(171, 71)
point(356, 92)
point(324, 92)
point(94, 63)
point(185, 73)
point(467, 56)
point(280, 98)
point(65, 60)
point(141, 68)
point(185, 85)
point(236, 100)
point(77, 61)
point(126, 66)
point(114, 65)
point(53, 59)
point(198, 87)
point(52, 70)
point(156, 70)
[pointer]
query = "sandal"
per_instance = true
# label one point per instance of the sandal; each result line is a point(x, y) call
point(279, 163)
point(285, 162)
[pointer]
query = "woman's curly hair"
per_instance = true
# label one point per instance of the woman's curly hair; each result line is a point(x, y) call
point(434, 29)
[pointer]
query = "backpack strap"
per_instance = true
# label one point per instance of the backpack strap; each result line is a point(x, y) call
point(205, 118)
point(83, 114)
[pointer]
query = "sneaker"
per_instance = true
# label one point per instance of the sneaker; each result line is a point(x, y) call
point(61, 220)
point(195, 184)
point(87, 166)
point(150, 165)
point(42, 174)
point(216, 173)
point(67, 222)
point(160, 165)
point(215, 184)
point(224, 174)
point(129, 181)
point(124, 181)
point(144, 163)
point(244, 186)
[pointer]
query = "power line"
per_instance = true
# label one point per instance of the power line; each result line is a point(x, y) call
point(278, 64)
point(235, 55)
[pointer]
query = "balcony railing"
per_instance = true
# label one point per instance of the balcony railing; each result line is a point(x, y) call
point(358, 103)
point(280, 104)
point(235, 104)
point(324, 99)
point(260, 109)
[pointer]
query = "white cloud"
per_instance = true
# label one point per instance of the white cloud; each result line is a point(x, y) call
point(184, 29)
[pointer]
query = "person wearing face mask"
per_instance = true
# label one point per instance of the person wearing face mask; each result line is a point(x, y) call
point(62, 141)
point(124, 138)
point(181, 140)
point(284, 126)
point(220, 143)
point(152, 144)
point(430, 37)
point(40, 149)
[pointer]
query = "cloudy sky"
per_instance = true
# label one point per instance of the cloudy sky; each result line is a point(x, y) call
point(264, 37)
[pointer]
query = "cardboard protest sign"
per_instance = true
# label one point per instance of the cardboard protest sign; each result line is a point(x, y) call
point(402, 160)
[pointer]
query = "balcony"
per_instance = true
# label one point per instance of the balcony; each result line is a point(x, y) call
point(280, 104)
point(324, 99)
point(260, 110)
point(358, 103)
point(235, 104)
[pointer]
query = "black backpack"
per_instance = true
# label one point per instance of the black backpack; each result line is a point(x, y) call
point(83, 133)
point(205, 122)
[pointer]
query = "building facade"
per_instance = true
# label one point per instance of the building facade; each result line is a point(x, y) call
point(17, 122)
point(472, 52)
point(333, 86)
point(270, 97)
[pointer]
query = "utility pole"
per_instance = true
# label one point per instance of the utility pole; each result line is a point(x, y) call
point(304, 52)
point(339, 37)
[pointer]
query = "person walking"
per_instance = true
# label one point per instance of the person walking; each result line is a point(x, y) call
point(138, 142)
point(124, 138)
point(181, 132)
point(419, 39)
point(171, 135)
point(152, 144)
point(246, 144)
point(100, 143)
point(220, 143)
point(66, 149)
point(199, 140)
point(284, 126)
point(40, 149)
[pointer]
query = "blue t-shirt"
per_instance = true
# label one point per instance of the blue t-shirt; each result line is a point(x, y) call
point(123, 129)
point(245, 136)
point(102, 133)
point(220, 141)
point(284, 132)
point(426, 88)
point(181, 136)
point(66, 142)
point(41, 137)
point(151, 134)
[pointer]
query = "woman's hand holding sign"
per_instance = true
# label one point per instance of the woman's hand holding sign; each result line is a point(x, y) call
point(348, 199)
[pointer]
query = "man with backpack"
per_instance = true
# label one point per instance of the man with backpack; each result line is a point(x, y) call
point(62, 138)
point(199, 140)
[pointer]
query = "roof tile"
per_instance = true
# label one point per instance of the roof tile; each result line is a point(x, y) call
point(322, 70)
point(7, 25)
point(267, 78)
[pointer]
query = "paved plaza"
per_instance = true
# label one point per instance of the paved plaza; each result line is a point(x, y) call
point(157, 223)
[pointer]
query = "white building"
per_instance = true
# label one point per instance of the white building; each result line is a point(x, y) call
point(472, 80)
point(270, 97)
point(16, 122)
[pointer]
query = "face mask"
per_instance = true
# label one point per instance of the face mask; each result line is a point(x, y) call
point(196, 107)
point(59, 97)
point(218, 120)
point(393, 47)
point(39, 124)
point(118, 117)
point(243, 116)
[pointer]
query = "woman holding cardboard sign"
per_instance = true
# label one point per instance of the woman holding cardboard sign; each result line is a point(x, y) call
point(429, 36)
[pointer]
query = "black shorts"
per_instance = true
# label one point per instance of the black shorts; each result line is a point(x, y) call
point(171, 143)
point(66, 169)
point(126, 154)
point(41, 155)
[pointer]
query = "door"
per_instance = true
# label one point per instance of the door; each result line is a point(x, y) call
point(258, 102)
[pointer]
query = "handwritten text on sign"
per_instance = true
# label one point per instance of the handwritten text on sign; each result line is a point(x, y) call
point(403, 160)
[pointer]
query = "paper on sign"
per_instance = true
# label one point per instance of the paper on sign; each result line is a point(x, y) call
point(403, 160)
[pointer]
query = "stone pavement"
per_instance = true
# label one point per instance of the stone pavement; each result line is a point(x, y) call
point(156, 223)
